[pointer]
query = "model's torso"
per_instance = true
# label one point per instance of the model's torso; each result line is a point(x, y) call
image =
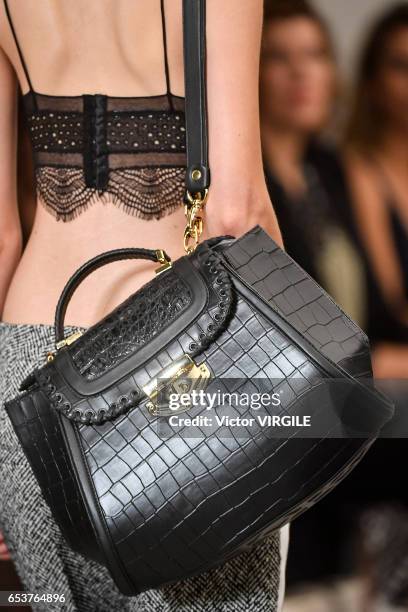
point(112, 49)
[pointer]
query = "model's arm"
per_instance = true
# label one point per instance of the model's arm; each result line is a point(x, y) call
point(238, 196)
point(10, 229)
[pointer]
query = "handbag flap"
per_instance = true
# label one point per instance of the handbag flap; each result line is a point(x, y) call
point(191, 301)
point(299, 300)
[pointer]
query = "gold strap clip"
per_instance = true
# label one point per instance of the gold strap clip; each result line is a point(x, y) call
point(194, 220)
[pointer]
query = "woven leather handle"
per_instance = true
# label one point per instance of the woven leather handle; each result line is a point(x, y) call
point(86, 269)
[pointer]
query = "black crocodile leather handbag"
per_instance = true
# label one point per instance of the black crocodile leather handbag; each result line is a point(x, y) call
point(127, 488)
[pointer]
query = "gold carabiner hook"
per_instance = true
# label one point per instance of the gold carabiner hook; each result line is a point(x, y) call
point(194, 221)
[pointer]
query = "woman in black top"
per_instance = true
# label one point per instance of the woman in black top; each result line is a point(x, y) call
point(377, 145)
point(307, 185)
point(304, 175)
point(377, 154)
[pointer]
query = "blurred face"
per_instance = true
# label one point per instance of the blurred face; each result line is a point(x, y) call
point(391, 83)
point(297, 75)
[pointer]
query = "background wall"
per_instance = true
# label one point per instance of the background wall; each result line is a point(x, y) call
point(349, 20)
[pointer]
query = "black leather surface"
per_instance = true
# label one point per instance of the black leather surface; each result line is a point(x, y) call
point(37, 426)
point(133, 325)
point(196, 98)
point(168, 508)
point(174, 506)
point(300, 300)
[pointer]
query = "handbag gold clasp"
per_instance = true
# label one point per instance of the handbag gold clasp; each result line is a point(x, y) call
point(182, 377)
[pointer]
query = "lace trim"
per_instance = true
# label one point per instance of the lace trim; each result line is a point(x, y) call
point(146, 193)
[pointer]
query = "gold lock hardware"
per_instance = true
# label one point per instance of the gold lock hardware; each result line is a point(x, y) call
point(181, 377)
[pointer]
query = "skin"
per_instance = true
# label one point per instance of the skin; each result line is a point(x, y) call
point(297, 85)
point(63, 48)
point(4, 553)
point(389, 90)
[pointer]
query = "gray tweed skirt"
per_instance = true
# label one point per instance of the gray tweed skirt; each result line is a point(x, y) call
point(252, 582)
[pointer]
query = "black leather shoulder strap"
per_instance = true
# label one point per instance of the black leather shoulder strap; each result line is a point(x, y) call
point(198, 172)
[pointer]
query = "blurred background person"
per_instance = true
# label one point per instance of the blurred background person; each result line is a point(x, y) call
point(377, 152)
point(377, 162)
point(307, 183)
point(313, 188)
point(298, 94)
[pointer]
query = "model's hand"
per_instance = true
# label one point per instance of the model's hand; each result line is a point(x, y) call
point(223, 217)
point(4, 553)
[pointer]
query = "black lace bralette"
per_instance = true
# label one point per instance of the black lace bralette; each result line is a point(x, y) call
point(130, 151)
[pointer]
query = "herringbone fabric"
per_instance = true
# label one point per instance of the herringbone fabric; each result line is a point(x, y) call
point(249, 583)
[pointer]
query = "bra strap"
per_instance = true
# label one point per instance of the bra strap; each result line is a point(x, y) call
point(20, 53)
point(166, 58)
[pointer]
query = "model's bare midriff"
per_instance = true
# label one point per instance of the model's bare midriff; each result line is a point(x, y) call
point(55, 250)
point(116, 48)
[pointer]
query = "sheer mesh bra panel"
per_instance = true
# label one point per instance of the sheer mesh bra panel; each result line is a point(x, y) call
point(129, 151)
